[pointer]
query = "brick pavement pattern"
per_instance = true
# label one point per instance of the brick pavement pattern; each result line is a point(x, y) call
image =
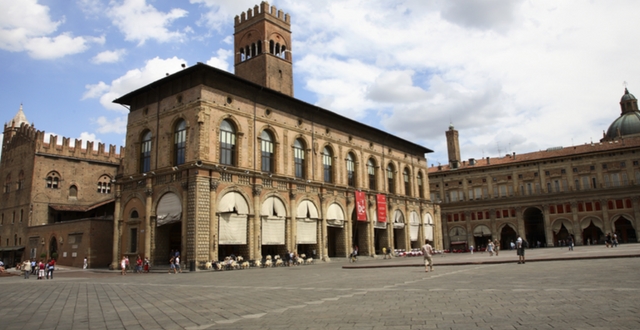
point(567, 294)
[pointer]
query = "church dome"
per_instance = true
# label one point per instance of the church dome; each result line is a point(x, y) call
point(626, 124)
point(629, 121)
point(627, 96)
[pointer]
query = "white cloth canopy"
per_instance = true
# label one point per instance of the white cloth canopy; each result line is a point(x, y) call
point(481, 231)
point(273, 215)
point(398, 219)
point(335, 216)
point(306, 209)
point(233, 202)
point(558, 224)
point(273, 231)
point(458, 234)
point(273, 207)
point(307, 231)
point(169, 209)
point(596, 222)
point(232, 229)
point(428, 227)
point(414, 225)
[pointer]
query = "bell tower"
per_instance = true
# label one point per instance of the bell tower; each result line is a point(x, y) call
point(453, 147)
point(262, 47)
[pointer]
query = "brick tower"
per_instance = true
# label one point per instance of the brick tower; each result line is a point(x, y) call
point(262, 48)
point(453, 147)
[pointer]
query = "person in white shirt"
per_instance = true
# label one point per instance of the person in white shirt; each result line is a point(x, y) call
point(427, 252)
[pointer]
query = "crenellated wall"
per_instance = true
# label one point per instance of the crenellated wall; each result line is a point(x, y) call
point(261, 11)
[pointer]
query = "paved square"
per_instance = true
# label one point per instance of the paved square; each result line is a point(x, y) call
point(566, 294)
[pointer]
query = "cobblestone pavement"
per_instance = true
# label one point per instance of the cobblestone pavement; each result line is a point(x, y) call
point(567, 294)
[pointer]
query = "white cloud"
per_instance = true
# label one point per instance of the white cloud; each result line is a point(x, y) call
point(60, 46)
point(501, 72)
point(109, 56)
point(117, 125)
point(140, 21)
point(220, 13)
point(153, 70)
point(220, 61)
point(26, 26)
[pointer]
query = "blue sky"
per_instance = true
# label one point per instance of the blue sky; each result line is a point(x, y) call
point(512, 75)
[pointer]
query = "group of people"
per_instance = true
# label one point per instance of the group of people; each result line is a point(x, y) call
point(611, 240)
point(41, 269)
point(142, 266)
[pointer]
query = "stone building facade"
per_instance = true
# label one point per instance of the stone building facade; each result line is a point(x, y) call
point(583, 191)
point(219, 164)
point(57, 199)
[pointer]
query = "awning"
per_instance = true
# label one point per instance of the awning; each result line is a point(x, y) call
point(414, 226)
point(398, 219)
point(335, 216)
point(558, 224)
point(306, 209)
point(169, 209)
point(233, 202)
point(307, 231)
point(481, 231)
point(11, 248)
point(596, 222)
point(232, 229)
point(79, 208)
point(459, 243)
point(273, 207)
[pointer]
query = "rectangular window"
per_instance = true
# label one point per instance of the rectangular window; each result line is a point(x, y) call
point(477, 193)
point(505, 213)
point(619, 204)
point(485, 192)
point(615, 179)
point(227, 147)
point(133, 240)
point(594, 183)
point(556, 184)
point(560, 208)
point(576, 184)
point(470, 194)
point(589, 206)
point(548, 187)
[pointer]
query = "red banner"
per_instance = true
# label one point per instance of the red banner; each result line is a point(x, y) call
point(382, 207)
point(361, 206)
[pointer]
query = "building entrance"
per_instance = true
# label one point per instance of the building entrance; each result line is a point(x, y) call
point(507, 235)
point(534, 227)
point(335, 242)
point(592, 234)
point(625, 231)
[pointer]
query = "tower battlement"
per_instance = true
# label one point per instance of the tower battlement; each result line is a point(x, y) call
point(76, 150)
point(259, 12)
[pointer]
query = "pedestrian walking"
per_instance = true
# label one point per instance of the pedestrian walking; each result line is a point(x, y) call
point(177, 262)
point(471, 249)
point(172, 265)
point(570, 243)
point(41, 269)
point(615, 240)
point(123, 266)
point(427, 252)
point(496, 246)
point(51, 268)
point(138, 265)
point(85, 263)
point(146, 264)
point(384, 252)
point(520, 245)
point(490, 248)
point(26, 267)
point(34, 268)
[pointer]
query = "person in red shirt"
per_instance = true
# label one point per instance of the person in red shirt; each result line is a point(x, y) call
point(139, 265)
point(52, 267)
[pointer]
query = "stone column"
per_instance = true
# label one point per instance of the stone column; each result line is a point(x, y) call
point(605, 216)
point(467, 220)
point(117, 218)
point(445, 230)
point(577, 230)
point(548, 233)
point(255, 235)
point(213, 219)
point(147, 218)
point(323, 227)
point(292, 242)
point(185, 219)
point(519, 222)
point(636, 213)
point(350, 202)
